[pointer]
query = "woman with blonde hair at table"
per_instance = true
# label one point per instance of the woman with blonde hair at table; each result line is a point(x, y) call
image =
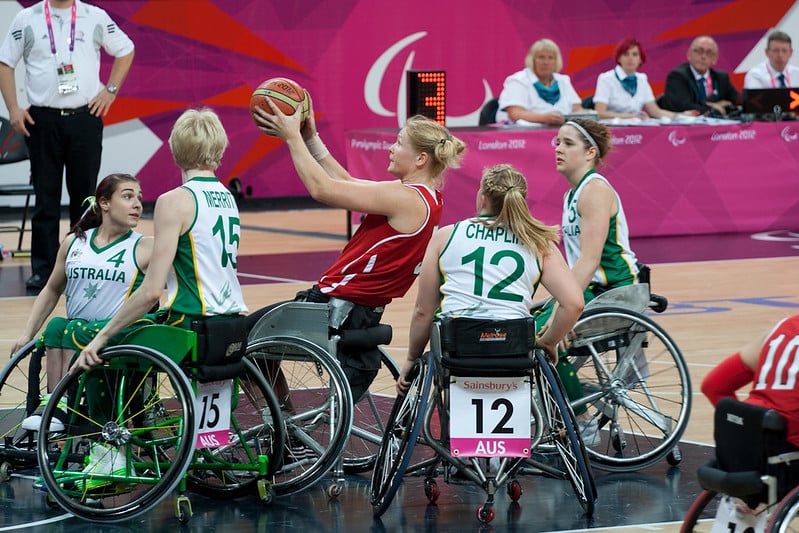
point(539, 93)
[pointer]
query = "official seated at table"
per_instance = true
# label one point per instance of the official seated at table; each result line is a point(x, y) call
point(538, 93)
point(696, 86)
point(623, 92)
point(775, 71)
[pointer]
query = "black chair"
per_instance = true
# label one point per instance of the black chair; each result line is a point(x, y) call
point(488, 113)
point(14, 150)
point(588, 102)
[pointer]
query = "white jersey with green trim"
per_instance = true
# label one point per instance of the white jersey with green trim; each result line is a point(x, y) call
point(618, 264)
point(99, 280)
point(203, 279)
point(486, 272)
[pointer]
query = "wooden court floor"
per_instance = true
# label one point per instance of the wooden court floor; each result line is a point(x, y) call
point(715, 305)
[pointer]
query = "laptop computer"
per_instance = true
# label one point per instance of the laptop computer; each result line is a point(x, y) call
point(771, 101)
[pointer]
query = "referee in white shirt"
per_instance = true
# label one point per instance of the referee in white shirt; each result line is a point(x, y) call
point(59, 42)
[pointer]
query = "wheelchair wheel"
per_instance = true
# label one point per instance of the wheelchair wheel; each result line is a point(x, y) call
point(23, 382)
point(316, 404)
point(699, 517)
point(404, 423)
point(785, 517)
point(128, 437)
point(256, 429)
point(369, 419)
point(635, 385)
point(561, 432)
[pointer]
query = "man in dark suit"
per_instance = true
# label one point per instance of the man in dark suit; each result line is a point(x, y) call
point(696, 86)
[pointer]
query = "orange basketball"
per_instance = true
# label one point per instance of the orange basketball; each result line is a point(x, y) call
point(286, 94)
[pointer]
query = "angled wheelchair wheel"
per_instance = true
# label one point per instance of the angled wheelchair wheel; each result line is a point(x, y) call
point(699, 517)
point(23, 382)
point(370, 416)
point(785, 517)
point(635, 385)
point(316, 404)
point(404, 423)
point(561, 432)
point(127, 437)
point(256, 431)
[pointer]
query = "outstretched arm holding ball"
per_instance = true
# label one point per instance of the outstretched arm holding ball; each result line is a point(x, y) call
point(424, 149)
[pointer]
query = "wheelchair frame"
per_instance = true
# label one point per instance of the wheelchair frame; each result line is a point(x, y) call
point(759, 470)
point(555, 432)
point(635, 380)
point(144, 422)
point(344, 437)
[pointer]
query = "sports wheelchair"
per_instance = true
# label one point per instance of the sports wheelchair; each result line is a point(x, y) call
point(293, 348)
point(469, 356)
point(23, 383)
point(753, 463)
point(635, 382)
point(167, 408)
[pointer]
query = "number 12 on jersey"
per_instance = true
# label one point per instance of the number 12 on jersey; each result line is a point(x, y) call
point(489, 417)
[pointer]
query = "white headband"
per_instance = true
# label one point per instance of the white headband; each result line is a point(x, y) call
point(584, 133)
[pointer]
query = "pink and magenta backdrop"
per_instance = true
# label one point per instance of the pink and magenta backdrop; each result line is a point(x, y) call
point(673, 180)
point(351, 56)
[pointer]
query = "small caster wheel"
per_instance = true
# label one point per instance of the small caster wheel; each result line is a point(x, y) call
point(183, 509)
point(5, 471)
point(485, 513)
point(265, 491)
point(514, 490)
point(334, 490)
point(431, 490)
point(674, 457)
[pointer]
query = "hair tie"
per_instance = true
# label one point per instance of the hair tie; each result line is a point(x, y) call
point(92, 201)
point(584, 133)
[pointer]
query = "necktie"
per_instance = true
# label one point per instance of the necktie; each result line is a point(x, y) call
point(702, 89)
point(781, 79)
point(630, 84)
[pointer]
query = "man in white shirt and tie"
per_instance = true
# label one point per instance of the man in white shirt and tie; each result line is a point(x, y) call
point(775, 72)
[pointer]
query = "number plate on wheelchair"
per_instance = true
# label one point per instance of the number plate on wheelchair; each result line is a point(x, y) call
point(733, 516)
point(212, 405)
point(489, 417)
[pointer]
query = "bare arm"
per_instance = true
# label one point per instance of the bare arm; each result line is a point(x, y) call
point(403, 206)
point(602, 110)
point(596, 205)
point(8, 87)
point(101, 103)
point(560, 282)
point(426, 303)
point(48, 298)
point(174, 212)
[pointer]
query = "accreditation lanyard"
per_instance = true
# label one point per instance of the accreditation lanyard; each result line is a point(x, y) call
point(774, 82)
point(67, 78)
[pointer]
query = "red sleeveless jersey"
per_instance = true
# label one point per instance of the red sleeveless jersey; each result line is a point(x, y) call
point(775, 384)
point(380, 263)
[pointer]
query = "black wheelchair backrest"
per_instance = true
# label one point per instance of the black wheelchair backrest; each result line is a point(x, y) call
point(746, 435)
point(492, 346)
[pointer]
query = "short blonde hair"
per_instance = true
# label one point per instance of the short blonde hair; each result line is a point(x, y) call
point(542, 45)
point(198, 140)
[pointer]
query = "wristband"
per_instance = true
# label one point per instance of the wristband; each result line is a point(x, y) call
point(317, 148)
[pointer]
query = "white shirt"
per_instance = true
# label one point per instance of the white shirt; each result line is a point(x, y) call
point(28, 40)
point(609, 91)
point(487, 272)
point(518, 90)
point(762, 76)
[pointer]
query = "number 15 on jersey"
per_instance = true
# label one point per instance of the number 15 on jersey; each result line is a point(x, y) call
point(489, 417)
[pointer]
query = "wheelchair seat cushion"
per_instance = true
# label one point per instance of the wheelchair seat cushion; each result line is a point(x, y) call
point(221, 344)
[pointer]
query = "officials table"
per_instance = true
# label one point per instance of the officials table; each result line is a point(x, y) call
point(673, 179)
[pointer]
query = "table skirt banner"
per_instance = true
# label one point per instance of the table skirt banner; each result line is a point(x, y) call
point(673, 180)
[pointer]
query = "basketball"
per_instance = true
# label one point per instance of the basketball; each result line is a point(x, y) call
point(286, 94)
